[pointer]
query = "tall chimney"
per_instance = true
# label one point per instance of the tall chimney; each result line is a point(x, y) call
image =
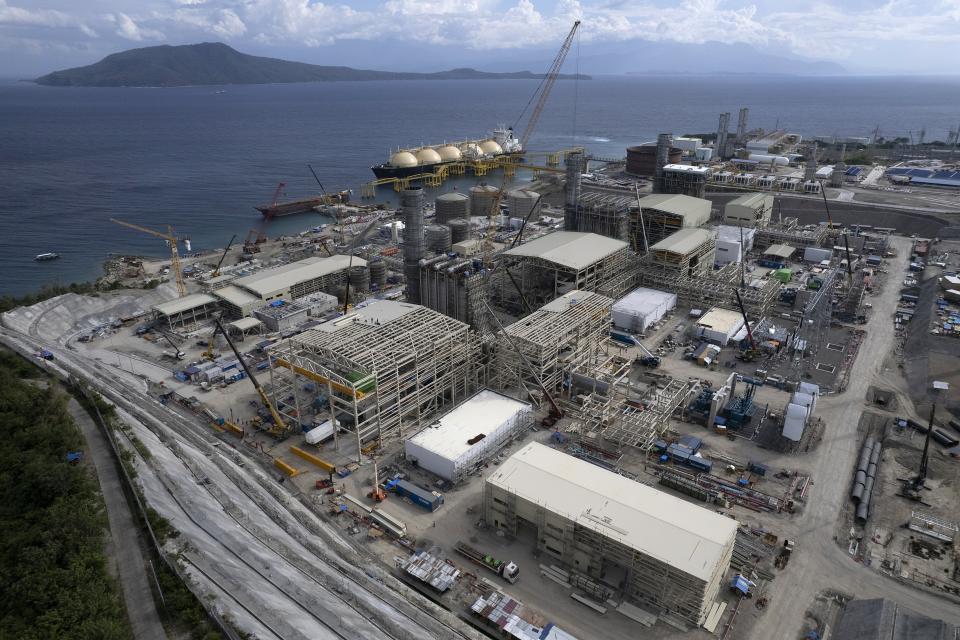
point(575, 164)
point(411, 203)
point(664, 144)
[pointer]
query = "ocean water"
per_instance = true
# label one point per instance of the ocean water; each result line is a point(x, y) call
point(196, 159)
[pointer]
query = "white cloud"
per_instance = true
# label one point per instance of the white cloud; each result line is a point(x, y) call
point(128, 29)
point(838, 29)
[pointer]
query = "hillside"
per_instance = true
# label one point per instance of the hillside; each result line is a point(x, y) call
point(214, 63)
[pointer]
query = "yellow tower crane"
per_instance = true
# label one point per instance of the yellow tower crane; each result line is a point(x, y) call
point(544, 92)
point(174, 254)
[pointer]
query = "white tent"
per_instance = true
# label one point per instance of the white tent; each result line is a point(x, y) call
point(642, 307)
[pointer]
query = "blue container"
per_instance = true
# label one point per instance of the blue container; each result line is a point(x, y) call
point(421, 497)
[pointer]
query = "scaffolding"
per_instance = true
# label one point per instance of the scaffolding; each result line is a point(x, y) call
point(658, 216)
point(603, 214)
point(689, 251)
point(627, 417)
point(454, 287)
point(525, 282)
point(789, 232)
point(387, 369)
point(713, 289)
point(541, 349)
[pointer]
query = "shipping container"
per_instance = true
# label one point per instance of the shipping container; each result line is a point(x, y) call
point(429, 500)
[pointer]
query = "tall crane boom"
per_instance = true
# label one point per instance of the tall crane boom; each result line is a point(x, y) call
point(216, 272)
point(548, 81)
point(171, 239)
point(279, 426)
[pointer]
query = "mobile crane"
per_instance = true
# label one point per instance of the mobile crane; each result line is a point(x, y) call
point(216, 272)
point(279, 428)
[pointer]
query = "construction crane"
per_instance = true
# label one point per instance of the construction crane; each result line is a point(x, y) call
point(279, 428)
point(544, 92)
point(750, 353)
point(174, 254)
point(216, 272)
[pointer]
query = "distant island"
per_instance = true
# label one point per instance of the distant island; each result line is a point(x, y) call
point(214, 63)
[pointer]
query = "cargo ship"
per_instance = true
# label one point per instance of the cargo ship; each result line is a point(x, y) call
point(303, 205)
point(409, 162)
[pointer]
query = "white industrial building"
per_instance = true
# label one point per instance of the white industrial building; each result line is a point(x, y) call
point(670, 555)
point(300, 278)
point(237, 302)
point(641, 308)
point(719, 326)
point(464, 438)
point(748, 210)
point(186, 311)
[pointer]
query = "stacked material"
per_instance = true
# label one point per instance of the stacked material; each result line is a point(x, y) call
point(864, 478)
point(437, 572)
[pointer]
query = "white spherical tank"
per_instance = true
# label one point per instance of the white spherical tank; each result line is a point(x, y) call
point(449, 153)
point(403, 159)
point(491, 148)
point(471, 150)
point(428, 156)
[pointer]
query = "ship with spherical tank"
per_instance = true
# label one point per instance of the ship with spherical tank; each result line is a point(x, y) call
point(404, 163)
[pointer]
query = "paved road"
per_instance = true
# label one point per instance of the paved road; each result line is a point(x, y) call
point(819, 562)
point(127, 554)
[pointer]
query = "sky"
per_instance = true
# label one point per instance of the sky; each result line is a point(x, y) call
point(863, 36)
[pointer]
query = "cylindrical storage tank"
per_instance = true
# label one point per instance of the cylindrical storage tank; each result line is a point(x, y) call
point(459, 230)
point(359, 278)
point(482, 197)
point(767, 159)
point(703, 154)
point(451, 206)
point(378, 273)
point(642, 159)
point(523, 203)
point(437, 237)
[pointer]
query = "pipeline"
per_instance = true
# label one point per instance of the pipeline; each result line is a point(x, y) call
point(864, 478)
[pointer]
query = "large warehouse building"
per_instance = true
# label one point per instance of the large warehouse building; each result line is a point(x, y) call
point(671, 555)
point(467, 436)
point(300, 278)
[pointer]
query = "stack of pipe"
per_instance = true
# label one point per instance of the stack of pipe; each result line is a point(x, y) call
point(864, 478)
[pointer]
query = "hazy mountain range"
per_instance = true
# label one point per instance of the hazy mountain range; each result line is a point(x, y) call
point(213, 63)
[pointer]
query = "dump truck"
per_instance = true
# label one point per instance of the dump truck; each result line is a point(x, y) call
point(506, 570)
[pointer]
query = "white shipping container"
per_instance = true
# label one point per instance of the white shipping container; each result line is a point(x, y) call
point(642, 307)
point(467, 435)
point(320, 433)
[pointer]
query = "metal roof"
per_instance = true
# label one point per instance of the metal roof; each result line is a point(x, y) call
point(270, 280)
point(244, 324)
point(694, 211)
point(570, 249)
point(752, 200)
point(683, 241)
point(686, 168)
point(779, 250)
point(681, 534)
point(183, 304)
point(483, 413)
point(236, 296)
point(722, 320)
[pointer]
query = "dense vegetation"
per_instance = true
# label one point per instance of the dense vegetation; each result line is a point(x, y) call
point(214, 63)
point(53, 571)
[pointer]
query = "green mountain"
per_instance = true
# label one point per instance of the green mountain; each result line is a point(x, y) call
point(214, 63)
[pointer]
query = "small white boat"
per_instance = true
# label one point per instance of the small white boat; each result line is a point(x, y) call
point(40, 257)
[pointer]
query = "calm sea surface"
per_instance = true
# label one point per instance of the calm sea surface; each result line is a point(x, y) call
point(70, 158)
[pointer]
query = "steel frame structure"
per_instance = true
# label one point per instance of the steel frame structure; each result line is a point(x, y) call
point(382, 380)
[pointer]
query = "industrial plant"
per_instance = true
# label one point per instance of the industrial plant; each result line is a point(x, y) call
point(660, 395)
